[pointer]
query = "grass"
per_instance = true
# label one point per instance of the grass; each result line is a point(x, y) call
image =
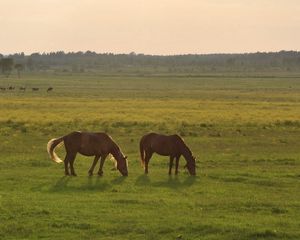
point(244, 131)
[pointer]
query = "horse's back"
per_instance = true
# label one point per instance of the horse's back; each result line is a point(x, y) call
point(72, 136)
point(157, 136)
point(152, 137)
point(87, 137)
point(161, 144)
point(72, 141)
point(89, 143)
point(103, 135)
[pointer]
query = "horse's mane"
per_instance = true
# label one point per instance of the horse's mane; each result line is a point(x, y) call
point(186, 150)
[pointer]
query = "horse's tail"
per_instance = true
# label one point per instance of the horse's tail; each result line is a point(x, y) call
point(51, 145)
point(142, 152)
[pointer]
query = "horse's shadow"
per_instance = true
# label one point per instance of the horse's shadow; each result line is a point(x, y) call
point(118, 180)
point(142, 180)
point(189, 181)
point(97, 183)
point(60, 184)
point(171, 182)
point(92, 184)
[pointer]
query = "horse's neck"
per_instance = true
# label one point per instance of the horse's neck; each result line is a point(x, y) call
point(115, 152)
point(185, 151)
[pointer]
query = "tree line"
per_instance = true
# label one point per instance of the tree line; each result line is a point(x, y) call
point(132, 62)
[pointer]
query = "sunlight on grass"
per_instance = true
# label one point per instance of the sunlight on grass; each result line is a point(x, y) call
point(244, 132)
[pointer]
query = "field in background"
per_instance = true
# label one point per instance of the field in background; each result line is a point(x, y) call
point(244, 131)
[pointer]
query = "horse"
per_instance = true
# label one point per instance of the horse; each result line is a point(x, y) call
point(11, 88)
point(35, 89)
point(88, 144)
point(49, 89)
point(22, 88)
point(172, 146)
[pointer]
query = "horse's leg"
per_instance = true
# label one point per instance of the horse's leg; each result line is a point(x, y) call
point(93, 165)
point(176, 166)
point(66, 162)
point(72, 159)
point(147, 159)
point(100, 172)
point(171, 164)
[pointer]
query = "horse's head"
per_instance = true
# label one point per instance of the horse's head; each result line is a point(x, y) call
point(191, 165)
point(122, 165)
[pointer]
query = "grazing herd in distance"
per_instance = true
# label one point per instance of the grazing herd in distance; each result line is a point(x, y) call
point(34, 89)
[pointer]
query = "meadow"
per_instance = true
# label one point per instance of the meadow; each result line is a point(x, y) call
point(244, 130)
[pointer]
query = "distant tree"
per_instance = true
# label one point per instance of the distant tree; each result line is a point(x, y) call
point(6, 65)
point(19, 67)
point(30, 64)
point(87, 61)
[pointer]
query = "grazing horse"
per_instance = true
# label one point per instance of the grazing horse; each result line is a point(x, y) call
point(11, 88)
point(22, 88)
point(88, 144)
point(49, 89)
point(172, 146)
point(35, 89)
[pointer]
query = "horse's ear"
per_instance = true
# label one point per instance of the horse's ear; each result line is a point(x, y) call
point(125, 157)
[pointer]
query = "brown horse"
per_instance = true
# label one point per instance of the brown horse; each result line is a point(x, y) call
point(88, 144)
point(172, 146)
point(49, 89)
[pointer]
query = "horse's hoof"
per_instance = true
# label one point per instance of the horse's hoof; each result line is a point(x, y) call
point(74, 174)
point(67, 174)
point(90, 174)
point(100, 174)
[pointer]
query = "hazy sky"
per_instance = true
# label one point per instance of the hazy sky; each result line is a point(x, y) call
point(149, 26)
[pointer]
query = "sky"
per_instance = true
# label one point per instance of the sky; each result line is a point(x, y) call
point(163, 27)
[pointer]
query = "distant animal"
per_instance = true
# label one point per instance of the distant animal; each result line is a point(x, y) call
point(49, 89)
point(2, 88)
point(22, 88)
point(96, 144)
point(172, 146)
point(11, 88)
point(35, 89)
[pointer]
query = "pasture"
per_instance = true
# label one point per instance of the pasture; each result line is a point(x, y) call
point(244, 131)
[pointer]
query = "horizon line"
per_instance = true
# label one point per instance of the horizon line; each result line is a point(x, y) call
point(146, 54)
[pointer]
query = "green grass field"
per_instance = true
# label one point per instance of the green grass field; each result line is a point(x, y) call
point(244, 130)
